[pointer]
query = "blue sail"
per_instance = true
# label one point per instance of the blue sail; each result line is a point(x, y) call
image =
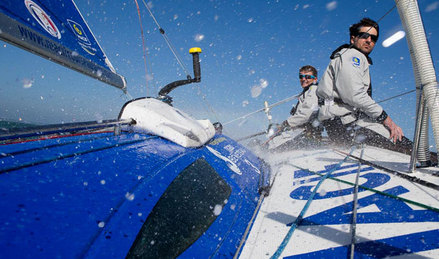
point(56, 30)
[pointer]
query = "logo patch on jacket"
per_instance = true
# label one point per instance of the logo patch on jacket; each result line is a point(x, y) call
point(356, 61)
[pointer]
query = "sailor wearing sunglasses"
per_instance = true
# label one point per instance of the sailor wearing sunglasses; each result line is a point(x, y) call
point(307, 107)
point(303, 119)
point(349, 112)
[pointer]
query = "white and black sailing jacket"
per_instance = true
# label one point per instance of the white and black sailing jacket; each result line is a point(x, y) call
point(307, 107)
point(346, 88)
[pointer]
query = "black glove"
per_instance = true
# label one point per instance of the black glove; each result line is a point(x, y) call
point(285, 126)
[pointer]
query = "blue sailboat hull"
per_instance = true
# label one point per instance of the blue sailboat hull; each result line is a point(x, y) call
point(101, 195)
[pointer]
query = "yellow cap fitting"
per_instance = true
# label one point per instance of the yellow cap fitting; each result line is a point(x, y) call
point(195, 50)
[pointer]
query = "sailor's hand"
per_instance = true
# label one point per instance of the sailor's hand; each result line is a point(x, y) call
point(275, 129)
point(395, 131)
point(285, 126)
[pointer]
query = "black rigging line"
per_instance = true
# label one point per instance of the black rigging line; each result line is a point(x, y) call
point(70, 155)
point(388, 12)
point(391, 171)
point(171, 47)
point(381, 18)
point(72, 142)
point(395, 96)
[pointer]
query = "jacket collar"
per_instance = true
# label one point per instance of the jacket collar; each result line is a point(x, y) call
point(349, 46)
point(307, 88)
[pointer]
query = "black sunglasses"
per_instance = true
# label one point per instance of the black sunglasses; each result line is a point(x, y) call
point(306, 76)
point(365, 35)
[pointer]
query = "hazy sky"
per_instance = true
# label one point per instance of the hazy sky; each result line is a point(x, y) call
point(252, 51)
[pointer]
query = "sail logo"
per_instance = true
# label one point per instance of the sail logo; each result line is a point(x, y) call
point(83, 40)
point(79, 32)
point(42, 18)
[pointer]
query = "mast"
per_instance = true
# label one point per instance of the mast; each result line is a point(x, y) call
point(425, 77)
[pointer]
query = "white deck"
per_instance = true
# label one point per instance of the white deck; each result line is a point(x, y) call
point(379, 217)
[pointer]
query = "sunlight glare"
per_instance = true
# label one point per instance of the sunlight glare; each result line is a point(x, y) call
point(393, 39)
